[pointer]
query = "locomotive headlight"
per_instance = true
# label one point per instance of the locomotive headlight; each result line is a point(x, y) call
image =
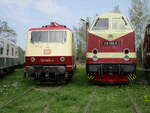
point(62, 59)
point(32, 59)
point(95, 58)
point(126, 58)
point(95, 51)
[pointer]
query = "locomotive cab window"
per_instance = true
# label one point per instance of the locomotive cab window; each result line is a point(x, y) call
point(57, 36)
point(39, 36)
point(101, 24)
point(119, 24)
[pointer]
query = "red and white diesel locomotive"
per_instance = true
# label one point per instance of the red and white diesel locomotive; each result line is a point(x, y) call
point(49, 54)
point(111, 55)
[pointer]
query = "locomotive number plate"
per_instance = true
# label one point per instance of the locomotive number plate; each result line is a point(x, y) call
point(47, 60)
point(47, 51)
point(110, 43)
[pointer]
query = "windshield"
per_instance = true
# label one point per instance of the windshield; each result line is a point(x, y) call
point(48, 36)
point(119, 24)
point(101, 24)
point(116, 23)
point(39, 36)
point(57, 36)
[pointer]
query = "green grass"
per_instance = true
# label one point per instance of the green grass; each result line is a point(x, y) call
point(75, 97)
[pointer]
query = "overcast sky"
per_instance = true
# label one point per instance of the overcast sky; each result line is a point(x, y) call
point(24, 14)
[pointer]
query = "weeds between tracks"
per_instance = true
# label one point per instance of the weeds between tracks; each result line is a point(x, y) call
point(16, 98)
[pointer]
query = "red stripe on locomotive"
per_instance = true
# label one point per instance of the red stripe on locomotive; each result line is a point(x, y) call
point(50, 60)
point(126, 41)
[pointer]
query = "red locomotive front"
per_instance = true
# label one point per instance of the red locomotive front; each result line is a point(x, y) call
point(111, 55)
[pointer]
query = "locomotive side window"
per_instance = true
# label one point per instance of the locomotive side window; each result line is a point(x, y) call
point(39, 36)
point(12, 51)
point(7, 53)
point(16, 52)
point(119, 24)
point(101, 24)
point(1, 47)
point(57, 36)
point(1, 51)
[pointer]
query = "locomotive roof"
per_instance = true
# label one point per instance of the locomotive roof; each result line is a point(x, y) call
point(106, 15)
point(52, 26)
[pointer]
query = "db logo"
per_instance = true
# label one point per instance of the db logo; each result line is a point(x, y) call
point(47, 51)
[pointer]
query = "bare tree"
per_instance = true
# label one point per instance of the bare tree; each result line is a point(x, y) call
point(7, 32)
point(80, 39)
point(139, 18)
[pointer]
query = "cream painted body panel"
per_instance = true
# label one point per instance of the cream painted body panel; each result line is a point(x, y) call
point(57, 49)
point(115, 34)
point(111, 55)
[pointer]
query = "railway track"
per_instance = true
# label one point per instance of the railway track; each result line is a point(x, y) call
point(16, 97)
point(46, 108)
point(91, 98)
point(46, 89)
point(135, 106)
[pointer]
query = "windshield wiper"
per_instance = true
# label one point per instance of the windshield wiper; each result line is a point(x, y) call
point(124, 20)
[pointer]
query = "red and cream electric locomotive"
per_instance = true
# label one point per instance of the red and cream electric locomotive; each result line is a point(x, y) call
point(111, 55)
point(49, 54)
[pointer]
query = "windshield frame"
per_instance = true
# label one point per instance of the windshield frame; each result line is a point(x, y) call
point(129, 26)
point(96, 21)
